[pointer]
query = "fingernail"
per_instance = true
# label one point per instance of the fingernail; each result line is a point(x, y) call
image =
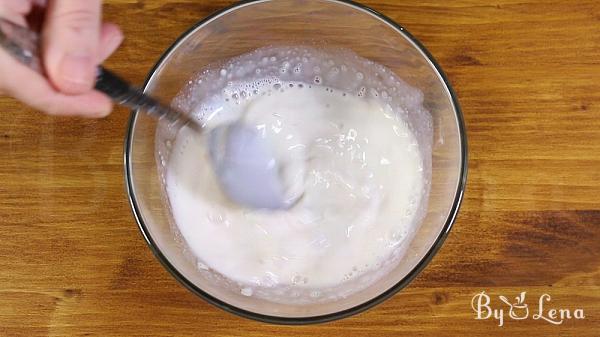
point(105, 110)
point(104, 113)
point(77, 71)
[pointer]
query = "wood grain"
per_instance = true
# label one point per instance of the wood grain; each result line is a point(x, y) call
point(72, 262)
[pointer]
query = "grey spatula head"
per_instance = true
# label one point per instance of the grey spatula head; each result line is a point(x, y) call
point(247, 169)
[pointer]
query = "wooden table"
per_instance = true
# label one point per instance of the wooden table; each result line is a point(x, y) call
point(527, 73)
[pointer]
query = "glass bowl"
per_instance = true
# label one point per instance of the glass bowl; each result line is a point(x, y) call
point(247, 26)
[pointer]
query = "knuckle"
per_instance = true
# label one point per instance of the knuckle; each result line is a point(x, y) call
point(77, 20)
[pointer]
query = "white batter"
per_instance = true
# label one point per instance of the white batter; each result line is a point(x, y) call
point(357, 163)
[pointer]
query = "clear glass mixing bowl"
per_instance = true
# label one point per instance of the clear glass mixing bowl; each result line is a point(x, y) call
point(253, 24)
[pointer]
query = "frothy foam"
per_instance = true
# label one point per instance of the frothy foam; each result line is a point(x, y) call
point(352, 135)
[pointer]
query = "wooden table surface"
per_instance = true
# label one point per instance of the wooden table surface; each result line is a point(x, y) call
point(527, 74)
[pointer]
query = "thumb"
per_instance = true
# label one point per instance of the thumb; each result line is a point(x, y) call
point(70, 39)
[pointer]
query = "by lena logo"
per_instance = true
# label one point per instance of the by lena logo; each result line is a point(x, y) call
point(519, 310)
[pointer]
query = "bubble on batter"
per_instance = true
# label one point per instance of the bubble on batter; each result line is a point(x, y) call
point(247, 291)
point(201, 265)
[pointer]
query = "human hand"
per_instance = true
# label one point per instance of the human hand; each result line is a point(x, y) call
point(73, 42)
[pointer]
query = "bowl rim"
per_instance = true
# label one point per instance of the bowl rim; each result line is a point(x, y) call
point(319, 318)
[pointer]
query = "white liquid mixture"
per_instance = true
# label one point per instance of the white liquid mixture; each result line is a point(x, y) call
point(351, 153)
